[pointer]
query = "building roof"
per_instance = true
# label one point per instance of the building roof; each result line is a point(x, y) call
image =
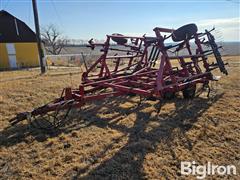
point(14, 30)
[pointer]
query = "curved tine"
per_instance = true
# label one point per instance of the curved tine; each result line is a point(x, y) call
point(48, 127)
point(204, 87)
point(36, 124)
point(209, 91)
point(140, 101)
point(200, 91)
point(56, 120)
point(63, 121)
point(62, 105)
point(33, 122)
point(159, 104)
point(67, 113)
point(53, 124)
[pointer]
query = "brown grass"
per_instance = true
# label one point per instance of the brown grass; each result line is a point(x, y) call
point(115, 138)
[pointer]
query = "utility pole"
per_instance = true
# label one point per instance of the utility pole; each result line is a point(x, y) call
point(40, 51)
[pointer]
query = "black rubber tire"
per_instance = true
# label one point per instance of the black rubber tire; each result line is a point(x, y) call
point(119, 40)
point(184, 32)
point(131, 94)
point(168, 95)
point(189, 92)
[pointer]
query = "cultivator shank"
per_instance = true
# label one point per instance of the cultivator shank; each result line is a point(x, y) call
point(144, 66)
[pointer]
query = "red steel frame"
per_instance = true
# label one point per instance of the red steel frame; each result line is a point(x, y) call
point(139, 77)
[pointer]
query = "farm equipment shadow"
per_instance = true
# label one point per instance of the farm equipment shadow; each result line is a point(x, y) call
point(128, 161)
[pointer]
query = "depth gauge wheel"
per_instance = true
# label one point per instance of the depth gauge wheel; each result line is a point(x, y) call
point(184, 32)
point(189, 92)
point(168, 95)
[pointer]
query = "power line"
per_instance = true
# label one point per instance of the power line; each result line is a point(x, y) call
point(57, 13)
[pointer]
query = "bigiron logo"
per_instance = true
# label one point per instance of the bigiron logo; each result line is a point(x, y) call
point(201, 171)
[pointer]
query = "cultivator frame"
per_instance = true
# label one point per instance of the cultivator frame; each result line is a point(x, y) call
point(148, 71)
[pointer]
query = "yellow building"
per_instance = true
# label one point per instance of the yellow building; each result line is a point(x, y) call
point(18, 46)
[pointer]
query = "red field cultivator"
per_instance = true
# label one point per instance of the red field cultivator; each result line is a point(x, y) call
point(146, 66)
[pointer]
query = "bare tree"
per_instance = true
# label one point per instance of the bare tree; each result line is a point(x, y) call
point(53, 39)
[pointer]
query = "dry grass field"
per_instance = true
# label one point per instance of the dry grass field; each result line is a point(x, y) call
point(115, 138)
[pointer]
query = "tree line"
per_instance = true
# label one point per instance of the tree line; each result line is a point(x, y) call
point(54, 40)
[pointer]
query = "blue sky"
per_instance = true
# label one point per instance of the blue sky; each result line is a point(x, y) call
point(82, 19)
